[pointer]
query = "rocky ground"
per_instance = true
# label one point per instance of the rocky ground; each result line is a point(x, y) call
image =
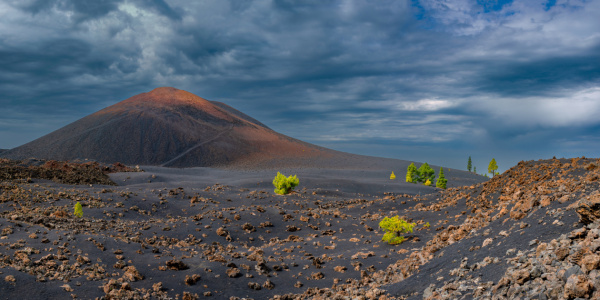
point(528, 233)
point(61, 172)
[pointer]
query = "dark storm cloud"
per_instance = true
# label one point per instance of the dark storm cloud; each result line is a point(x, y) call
point(292, 43)
point(391, 78)
point(82, 10)
point(89, 10)
point(543, 76)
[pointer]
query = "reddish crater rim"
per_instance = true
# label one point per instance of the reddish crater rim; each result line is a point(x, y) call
point(162, 89)
point(164, 97)
point(168, 95)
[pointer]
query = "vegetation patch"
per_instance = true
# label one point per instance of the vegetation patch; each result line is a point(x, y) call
point(284, 185)
point(394, 228)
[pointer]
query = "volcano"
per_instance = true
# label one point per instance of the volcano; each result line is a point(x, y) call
point(172, 128)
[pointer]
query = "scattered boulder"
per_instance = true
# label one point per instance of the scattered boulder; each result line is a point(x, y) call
point(175, 264)
point(589, 209)
point(254, 285)
point(233, 272)
point(191, 280)
point(221, 231)
point(578, 286)
point(487, 242)
point(590, 262)
point(248, 227)
point(317, 275)
point(268, 285)
point(341, 269)
point(132, 274)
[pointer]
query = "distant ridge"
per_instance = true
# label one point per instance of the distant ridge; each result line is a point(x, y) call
point(173, 128)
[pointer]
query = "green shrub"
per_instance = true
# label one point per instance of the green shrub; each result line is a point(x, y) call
point(428, 182)
point(394, 228)
point(393, 176)
point(426, 225)
point(284, 185)
point(78, 210)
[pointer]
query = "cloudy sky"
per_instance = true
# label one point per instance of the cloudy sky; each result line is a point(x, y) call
point(421, 80)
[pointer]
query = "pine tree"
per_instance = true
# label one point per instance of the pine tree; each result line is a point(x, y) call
point(393, 176)
point(492, 167)
point(469, 164)
point(474, 169)
point(411, 173)
point(441, 181)
point(425, 172)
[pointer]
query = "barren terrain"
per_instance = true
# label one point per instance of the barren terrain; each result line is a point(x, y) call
point(223, 234)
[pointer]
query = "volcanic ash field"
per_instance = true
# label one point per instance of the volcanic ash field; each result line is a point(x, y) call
point(528, 233)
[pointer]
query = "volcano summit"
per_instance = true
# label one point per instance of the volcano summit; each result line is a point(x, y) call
point(173, 128)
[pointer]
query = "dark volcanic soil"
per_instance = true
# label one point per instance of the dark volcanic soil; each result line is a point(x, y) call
point(222, 234)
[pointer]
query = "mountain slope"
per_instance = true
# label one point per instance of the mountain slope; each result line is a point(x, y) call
point(169, 127)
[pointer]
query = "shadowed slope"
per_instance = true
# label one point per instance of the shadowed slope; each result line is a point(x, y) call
point(169, 127)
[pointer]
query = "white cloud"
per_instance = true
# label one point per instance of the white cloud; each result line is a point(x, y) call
point(426, 105)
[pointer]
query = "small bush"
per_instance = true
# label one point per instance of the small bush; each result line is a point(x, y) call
point(426, 225)
point(394, 228)
point(427, 183)
point(78, 210)
point(393, 176)
point(284, 185)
